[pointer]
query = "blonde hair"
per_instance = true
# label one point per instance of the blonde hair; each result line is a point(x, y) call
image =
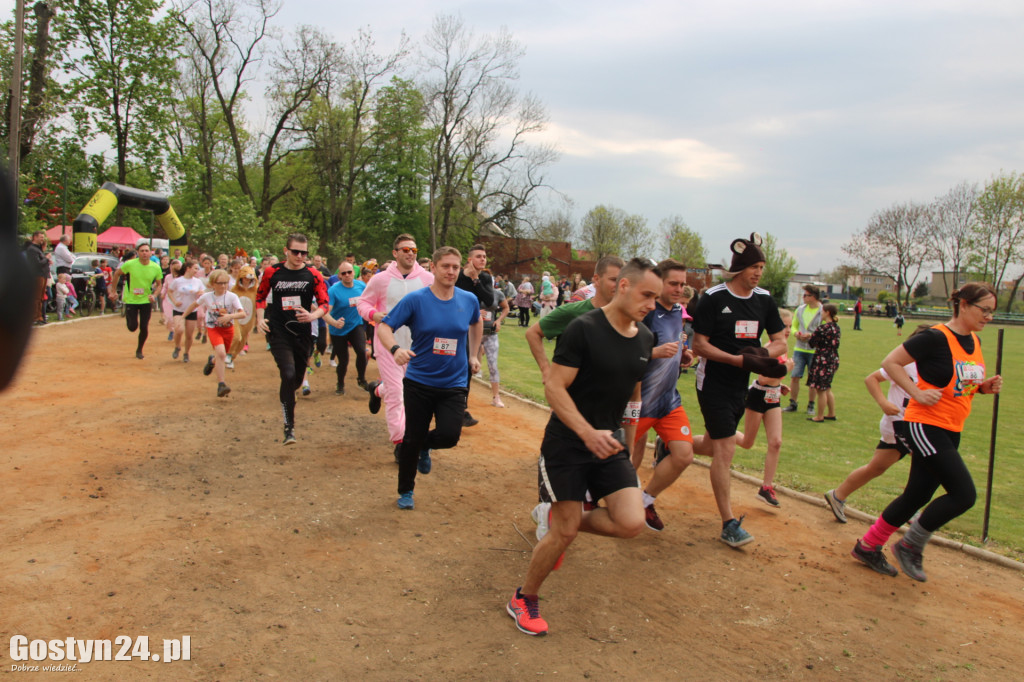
point(215, 277)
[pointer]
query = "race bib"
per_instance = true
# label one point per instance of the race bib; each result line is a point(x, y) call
point(139, 291)
point(487, 315)
point(772, 394)
point(746, 329)
point(351, 303)
point(445, 346)
point(291, 302)
point(632, 412)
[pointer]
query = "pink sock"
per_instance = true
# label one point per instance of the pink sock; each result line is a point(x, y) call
point(878, 534)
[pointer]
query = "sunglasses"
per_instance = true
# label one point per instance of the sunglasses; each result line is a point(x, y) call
point(408, 249)
point(347, 272)
point(297, 252)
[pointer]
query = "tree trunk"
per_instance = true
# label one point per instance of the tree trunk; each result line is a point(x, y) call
point(37, 78)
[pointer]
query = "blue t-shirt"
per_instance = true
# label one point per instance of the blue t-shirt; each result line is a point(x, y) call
point(658, 390)
point(342, 301)
point(440, 334)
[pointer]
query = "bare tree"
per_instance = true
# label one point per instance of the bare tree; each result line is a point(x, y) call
point(481, 168)
point(954, 216)
point(999, 239)
point(895, 243)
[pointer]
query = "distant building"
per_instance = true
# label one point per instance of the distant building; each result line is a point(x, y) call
point(873, 283)
point(943, 284)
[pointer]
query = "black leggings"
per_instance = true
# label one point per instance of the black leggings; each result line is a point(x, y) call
point(524, 316)
point(934, 461)
point(357, 339)
point(423, 403)
point(137, 315)
point(291, 353)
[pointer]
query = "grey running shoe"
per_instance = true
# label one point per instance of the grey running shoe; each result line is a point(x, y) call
point(289, 436)
point(838, 508)
point(909, 560)
point(175, 353)
point(790, 408)
point(660, 451)
point(810, 409)
point(734, 535)
point(223, 389)
point(874, 559)
point(184, 358)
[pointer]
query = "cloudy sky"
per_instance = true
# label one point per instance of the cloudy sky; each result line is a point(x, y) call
point(798, 118)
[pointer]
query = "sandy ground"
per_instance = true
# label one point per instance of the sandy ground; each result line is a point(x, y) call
point(139, 504)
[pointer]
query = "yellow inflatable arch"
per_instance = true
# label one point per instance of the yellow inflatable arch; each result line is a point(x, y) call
point(105, 200)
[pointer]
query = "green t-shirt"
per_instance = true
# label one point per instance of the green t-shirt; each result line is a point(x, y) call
point(554, 323)
point(139, 286)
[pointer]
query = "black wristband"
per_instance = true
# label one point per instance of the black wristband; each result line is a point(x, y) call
point(394, 348)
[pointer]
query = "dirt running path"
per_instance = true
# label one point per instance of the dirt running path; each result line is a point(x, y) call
point(137, 503)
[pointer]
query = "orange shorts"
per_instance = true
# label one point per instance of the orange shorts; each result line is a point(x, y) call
point(220, 335)
point(673, 426)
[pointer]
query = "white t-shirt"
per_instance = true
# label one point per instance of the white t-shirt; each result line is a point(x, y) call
point(896, 396)
point(220, 305)
point(186, 290)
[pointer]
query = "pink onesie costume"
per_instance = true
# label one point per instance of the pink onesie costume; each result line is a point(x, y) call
point(382, 293)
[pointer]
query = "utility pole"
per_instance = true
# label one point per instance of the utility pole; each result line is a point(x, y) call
point(14, 130)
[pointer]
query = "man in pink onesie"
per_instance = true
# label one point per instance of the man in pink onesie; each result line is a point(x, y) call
point(383, 292)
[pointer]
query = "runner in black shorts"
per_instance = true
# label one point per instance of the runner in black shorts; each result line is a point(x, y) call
point(596, 371)
point(727, 327)
point(285, 318)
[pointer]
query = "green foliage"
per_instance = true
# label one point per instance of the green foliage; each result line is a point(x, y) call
point(921, 290)
point(779, 267)
point(232, 223)
point(544, 264)
point(602, 232)
point(684, 244)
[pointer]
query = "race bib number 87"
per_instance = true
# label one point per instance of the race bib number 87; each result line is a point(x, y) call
point(445, 346)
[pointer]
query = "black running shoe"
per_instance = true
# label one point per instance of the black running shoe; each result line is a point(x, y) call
point(289, 436)
point(208, 367)
point(371, 388)
point(467, 419)
point(339, 390)
point(874, 559)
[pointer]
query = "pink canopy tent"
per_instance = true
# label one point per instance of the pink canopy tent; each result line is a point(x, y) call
point(118, 236)
point(54, 233)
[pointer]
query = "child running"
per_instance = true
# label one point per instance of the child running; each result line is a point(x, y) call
point(763, 404)
point(222, 308)
point(891, 446)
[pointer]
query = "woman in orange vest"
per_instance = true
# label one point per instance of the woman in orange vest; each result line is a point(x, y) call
point(951, 370)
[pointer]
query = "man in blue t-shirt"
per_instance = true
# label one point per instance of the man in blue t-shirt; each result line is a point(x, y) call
point(346, 326)
point(443, 321)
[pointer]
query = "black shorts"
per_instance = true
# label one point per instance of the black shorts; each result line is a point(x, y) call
point(722, 408)
point(566, 470)
point(191, 317)
point(902, 444)
point(757, 398)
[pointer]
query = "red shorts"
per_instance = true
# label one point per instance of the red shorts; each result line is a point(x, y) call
point(220, 335)
point(673, 426)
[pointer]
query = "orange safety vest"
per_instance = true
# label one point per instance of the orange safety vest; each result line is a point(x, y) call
point(951, 411)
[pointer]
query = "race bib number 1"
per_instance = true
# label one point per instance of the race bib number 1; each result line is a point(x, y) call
point(445, 346)
point(746, 329)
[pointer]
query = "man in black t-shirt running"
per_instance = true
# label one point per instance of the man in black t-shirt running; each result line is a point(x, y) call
point(594, 379)
point(727, 328)
point(287, 293)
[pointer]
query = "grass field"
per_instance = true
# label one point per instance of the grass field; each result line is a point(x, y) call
point(816, 457)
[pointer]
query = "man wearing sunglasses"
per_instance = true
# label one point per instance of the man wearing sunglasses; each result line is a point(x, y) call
point(290, 297)
point(383, 292)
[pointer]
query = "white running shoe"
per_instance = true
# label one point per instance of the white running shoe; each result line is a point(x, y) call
point(541, 515)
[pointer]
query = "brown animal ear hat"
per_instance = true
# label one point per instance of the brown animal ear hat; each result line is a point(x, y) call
point(746, 252)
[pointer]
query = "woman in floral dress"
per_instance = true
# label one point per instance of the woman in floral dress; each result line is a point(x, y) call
point(825, 342)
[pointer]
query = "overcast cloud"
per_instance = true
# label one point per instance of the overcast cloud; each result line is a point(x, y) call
point(798, 118)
